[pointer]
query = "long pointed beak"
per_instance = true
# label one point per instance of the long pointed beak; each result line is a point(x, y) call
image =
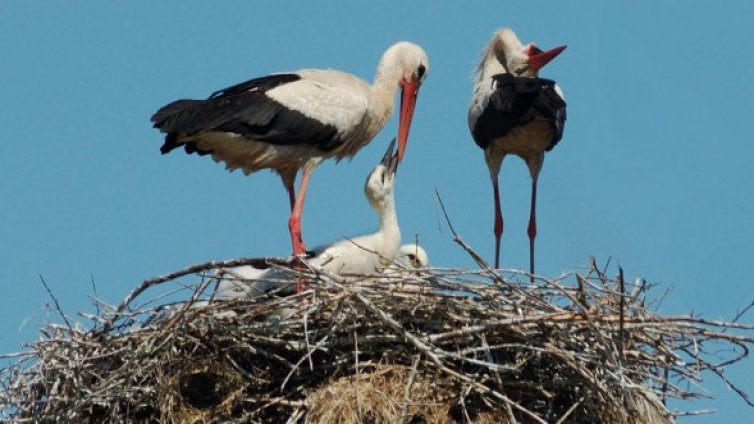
point(410, 89)
point(538, 60)
point(390, 160)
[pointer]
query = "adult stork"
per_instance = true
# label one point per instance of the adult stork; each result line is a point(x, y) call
point(361, 255)
point(293, 121)
point(513, 111)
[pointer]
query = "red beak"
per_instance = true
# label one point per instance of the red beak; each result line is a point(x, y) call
point(539, 59)
point(410, 89)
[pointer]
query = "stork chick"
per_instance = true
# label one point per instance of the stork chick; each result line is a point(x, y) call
point(361, 255)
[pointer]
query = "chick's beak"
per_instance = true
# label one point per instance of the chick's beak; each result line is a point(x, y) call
point(390, 159)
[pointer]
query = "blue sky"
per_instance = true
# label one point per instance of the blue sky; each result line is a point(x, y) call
point(654, 170)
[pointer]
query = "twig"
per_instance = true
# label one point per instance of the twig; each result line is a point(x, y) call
point(94, 291)
point(742, 312)
point(407, 392)
point(55, 300)
point(730, 384)
point(193, 269)
point(306, 340)
point(621, 325)
point(478, 259)
point(356, 352)
point(569, 411)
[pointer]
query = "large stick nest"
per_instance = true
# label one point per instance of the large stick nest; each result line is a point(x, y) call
point(436, 346)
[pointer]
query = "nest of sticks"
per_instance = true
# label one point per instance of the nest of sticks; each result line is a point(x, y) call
point(430, 346)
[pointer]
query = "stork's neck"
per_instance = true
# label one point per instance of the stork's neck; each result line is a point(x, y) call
point(389, 226)
point(492, 61)
point(383, 89)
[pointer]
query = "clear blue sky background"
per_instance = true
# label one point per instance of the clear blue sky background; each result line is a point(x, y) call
point(654, 171)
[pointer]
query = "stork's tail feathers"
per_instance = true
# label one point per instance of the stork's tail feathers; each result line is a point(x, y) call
point(171, 120)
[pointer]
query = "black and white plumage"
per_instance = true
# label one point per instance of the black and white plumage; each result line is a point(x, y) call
point(513, 111)
point(293, 121)
point(362, 255)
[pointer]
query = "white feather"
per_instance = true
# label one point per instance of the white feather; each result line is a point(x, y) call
point(331, 97)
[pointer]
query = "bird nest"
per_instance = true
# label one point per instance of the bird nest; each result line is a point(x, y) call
point(435, 346)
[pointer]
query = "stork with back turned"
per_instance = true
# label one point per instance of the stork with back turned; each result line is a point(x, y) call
point(293, 121)
point(513, 111)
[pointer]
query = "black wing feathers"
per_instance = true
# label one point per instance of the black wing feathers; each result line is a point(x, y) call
point(517, 101)
point(256, 84)
point(242, 109)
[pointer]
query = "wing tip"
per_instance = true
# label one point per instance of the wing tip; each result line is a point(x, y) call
point(171, 142)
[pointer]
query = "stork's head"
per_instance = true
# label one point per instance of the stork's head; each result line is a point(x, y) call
point(519, 59)
point(411, 256)
point(407, 63)
point(379, 185)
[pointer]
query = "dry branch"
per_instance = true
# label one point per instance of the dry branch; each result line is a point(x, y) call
point(439, 346)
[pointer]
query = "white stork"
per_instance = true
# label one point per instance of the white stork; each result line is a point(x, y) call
point(248, 281)
point(291, 121)
point(362, 255)
point(513, 111)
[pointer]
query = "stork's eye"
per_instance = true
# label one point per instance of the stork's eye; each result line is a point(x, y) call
point(382, 176)
point(534, 50)
point(412, 257)
point(420, 71)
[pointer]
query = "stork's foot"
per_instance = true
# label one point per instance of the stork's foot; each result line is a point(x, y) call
point(299, 247)
point(301, 252)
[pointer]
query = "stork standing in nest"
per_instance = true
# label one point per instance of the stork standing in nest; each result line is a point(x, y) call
point(293, 121)
point(513, 111)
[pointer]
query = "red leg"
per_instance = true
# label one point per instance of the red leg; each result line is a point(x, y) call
point(532, 230)
point(294, 223)
point(498, 226)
